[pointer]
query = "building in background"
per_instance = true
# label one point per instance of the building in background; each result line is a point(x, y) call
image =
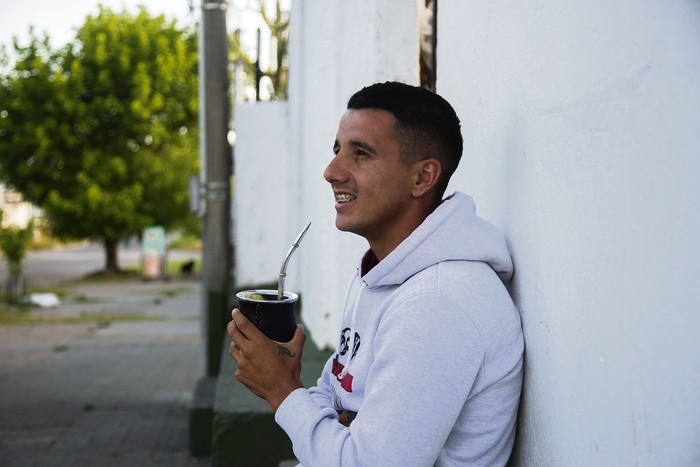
point(16, 211)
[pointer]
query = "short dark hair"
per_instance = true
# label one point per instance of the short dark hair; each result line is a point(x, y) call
point(428, 125)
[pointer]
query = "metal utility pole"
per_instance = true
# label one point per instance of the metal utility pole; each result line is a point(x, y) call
point(217, 168)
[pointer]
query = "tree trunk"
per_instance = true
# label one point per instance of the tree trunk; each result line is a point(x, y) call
point(112, 262)
point(15, 288)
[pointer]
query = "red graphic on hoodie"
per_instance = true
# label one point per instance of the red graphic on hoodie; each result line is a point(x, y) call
point(346, 381)
point(343, 348)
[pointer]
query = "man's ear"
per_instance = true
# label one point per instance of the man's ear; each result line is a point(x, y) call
point(428, 174)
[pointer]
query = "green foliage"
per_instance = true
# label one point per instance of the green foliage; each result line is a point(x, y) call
point(103, 134)
point(14, 242)
point(278, 25)
point(237, 54)
point(279, 29)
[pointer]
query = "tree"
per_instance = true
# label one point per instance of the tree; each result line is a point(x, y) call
point(102, 134)
point(279, 33)
point(14, 242)
point(279, 30)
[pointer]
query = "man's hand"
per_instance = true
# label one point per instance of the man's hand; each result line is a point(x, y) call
point(346, 417)
point(270, 369)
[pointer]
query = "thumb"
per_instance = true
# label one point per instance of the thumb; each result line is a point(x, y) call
point(299, 337)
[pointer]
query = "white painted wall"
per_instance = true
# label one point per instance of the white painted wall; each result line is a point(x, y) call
point(335, 49)
point(581, 143)
point(264, 211)
point(582, 131)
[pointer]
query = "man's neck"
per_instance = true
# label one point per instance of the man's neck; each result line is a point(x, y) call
point(382, 247)
point(369, 261)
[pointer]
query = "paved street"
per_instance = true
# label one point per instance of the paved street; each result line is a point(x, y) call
point(51, 267)
point(101, 392)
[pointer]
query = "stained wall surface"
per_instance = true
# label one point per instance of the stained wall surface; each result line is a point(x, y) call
point(582, 144)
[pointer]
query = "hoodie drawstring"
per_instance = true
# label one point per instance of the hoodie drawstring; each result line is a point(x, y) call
point(351, 344)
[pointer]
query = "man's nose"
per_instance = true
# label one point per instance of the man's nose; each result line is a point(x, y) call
point(334, 171)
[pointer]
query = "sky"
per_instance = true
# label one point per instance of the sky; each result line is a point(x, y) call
point(60, 19)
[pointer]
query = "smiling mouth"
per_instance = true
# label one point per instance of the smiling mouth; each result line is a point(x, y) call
point(344, 198)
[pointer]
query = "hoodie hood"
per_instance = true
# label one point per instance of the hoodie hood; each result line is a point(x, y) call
point(434, 241)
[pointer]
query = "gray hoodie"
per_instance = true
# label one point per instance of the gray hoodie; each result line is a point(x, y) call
point(430, 356)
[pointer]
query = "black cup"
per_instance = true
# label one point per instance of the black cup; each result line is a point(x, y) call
point(275, 318)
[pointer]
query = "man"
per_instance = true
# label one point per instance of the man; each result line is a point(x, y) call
point(428, 369)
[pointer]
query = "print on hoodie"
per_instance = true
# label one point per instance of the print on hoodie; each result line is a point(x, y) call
point(345, 378)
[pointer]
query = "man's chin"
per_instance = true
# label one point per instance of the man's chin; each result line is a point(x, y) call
point(344, 226)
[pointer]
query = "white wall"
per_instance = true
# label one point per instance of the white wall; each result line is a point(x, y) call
point(582, 142)
point(263, 210)
point(336, 48)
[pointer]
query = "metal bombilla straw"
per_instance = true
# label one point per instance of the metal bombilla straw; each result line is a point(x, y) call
point(283, 269)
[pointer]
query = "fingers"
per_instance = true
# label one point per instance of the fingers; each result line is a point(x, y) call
point(234, 351)
point(243, 326)
point(238, 338)
point(234, 332)
point(299, 337)
point(246, 336)
point(346, 417)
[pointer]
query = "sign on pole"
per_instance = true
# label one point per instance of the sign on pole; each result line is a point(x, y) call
point(153, 247)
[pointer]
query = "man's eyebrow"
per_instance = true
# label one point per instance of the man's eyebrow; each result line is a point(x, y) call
point(363, 145)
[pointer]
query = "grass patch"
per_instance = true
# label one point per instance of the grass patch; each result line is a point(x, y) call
point(135, 272)
point(11, 317)
point(59, 292)
point(186, 242)
point(173, 266)
point(169, 293)
point(82, 298)
point(44, 241)
point(125, 274)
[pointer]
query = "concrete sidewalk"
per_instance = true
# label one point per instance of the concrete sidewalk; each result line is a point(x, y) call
point(108, 393)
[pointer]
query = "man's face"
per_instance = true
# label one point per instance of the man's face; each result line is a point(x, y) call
point(372, 186)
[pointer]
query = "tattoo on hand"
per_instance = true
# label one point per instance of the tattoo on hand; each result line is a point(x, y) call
point(285, 351)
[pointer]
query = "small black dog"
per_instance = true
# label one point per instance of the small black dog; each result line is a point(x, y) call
point(187, 268)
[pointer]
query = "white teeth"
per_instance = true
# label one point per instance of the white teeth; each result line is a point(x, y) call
point(343, 198)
